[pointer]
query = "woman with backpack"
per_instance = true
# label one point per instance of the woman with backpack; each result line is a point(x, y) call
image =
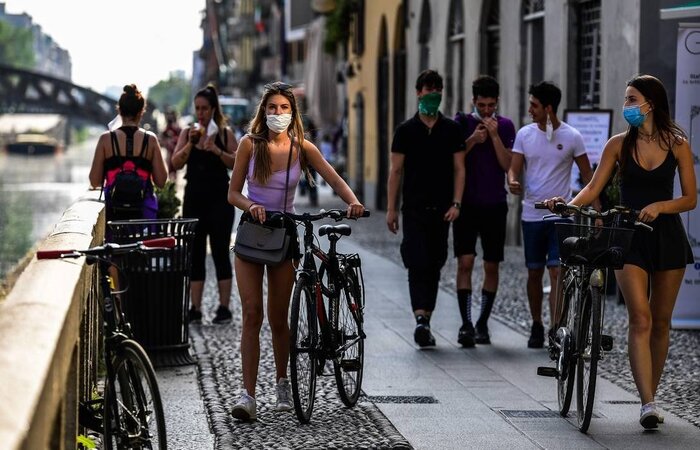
point(127, 163)
point(208, 147)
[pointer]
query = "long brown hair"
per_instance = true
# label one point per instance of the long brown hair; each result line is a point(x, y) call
point(669, 132)
point(212, 97)
point(258, 131)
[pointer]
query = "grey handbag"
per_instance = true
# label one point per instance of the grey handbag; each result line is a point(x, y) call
point(261, 243)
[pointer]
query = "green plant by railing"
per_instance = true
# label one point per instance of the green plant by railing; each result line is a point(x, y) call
point(168, 202)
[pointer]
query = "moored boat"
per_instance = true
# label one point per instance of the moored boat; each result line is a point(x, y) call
point(33, 144)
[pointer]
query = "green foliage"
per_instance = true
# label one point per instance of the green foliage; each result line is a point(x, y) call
point(15, 229)
point(338, 24)
point(168, 202)
point(16, 46)
point(173, 93)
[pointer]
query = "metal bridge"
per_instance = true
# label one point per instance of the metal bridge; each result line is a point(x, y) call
point(24, 91)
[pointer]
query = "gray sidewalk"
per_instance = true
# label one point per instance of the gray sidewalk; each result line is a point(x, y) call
point(488, 396)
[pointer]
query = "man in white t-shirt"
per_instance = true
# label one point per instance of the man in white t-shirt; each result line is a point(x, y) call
point(546, 150)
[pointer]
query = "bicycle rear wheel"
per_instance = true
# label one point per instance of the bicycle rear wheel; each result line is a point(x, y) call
point(589, 354)
point(349, 364)
point(133, 411)
point(303, 341)
point(566, 362)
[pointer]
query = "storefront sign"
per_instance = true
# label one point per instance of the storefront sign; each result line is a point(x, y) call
point(595, 126)
point(687, 311)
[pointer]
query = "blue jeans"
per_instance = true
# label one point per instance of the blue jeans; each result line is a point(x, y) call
point(540, 243)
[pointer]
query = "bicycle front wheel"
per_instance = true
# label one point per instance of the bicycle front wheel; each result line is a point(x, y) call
point(589, 354)
point(566, 363)
point(303, 339)
point(349, 363)
point(133, 409)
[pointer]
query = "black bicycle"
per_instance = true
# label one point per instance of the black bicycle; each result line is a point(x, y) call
point(128, 412)
point(578, 342)
point(326, 321)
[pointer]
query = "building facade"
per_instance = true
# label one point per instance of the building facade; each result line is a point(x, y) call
point(589, 48)
point(49, 57)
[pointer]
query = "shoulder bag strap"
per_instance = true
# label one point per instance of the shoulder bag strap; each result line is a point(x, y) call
point(286, 183)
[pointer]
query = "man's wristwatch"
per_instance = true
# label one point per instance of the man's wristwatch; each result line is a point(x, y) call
point(457, 205)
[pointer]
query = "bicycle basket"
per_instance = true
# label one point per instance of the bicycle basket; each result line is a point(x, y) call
point(591, 246)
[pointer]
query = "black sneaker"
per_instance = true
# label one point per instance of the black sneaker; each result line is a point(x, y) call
point(482, 334)
point(423, 336)
point(465, 337)
point(223, 315)
point(536, 336)
point(194, 316)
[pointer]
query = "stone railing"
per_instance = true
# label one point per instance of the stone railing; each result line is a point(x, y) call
point(49, 333)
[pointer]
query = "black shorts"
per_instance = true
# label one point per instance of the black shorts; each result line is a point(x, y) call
point(485, 221)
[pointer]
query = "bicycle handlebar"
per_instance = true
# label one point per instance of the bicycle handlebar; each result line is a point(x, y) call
point(109, 249)
point(562, 209)
point(336, 214)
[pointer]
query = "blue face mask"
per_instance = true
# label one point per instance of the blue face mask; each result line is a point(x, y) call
point(633, 114)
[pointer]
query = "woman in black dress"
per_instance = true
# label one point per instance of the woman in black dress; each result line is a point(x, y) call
point(648, 155)
point(208, 147)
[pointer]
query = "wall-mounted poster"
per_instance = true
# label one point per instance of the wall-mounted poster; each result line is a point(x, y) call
point(686, 314)
point(595, 125)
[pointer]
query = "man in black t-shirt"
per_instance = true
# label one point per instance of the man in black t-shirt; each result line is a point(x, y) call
point(428, 151)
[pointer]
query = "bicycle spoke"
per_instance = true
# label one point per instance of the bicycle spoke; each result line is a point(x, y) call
point(302, 351)
point(135, 414)
point(590, 332)
point(566, 358)
point(350, 362)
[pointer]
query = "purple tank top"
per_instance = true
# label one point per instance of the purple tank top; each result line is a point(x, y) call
point(271, 195)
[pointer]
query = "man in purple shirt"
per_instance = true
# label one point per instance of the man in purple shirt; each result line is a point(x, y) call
point(489, 139)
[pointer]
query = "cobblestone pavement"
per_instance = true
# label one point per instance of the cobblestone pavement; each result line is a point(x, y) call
point(679, 390)
point(333, 426)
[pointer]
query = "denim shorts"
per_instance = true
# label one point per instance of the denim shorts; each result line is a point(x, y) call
point(540, 243)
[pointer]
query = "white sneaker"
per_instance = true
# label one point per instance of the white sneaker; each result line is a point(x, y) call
point(244, 409)
point(649, 416)
point(284, 395)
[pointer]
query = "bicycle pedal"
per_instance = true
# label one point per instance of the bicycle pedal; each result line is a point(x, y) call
point(548, 372)
point(606, 342)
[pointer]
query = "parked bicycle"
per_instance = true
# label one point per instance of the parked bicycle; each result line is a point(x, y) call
point(327, 315)
point(128, 412)
point(577, 342)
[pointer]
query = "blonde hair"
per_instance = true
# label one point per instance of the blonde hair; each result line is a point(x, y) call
point(258, 132)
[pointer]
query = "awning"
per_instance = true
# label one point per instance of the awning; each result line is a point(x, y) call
point(688, 11)
point(320, 83)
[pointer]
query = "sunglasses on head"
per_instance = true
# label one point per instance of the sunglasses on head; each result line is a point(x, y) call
point(278, 86)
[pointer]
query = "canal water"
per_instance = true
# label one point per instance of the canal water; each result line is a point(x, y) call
point(34, 193)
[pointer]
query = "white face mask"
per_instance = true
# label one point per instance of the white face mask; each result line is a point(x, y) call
point(278, 122)
point(478, 116)
point(549, 129)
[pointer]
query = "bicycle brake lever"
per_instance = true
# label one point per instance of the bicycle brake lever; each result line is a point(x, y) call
point(643, 225)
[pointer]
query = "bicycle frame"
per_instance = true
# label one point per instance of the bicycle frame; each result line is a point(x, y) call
point(329, 260)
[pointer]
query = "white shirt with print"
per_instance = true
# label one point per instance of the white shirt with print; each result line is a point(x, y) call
point(547, 168)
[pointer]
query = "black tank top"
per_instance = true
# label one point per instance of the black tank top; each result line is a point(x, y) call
point(206, 172)
point(641, 187)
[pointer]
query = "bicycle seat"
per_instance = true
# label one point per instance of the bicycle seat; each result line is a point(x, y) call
point(342, 229)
